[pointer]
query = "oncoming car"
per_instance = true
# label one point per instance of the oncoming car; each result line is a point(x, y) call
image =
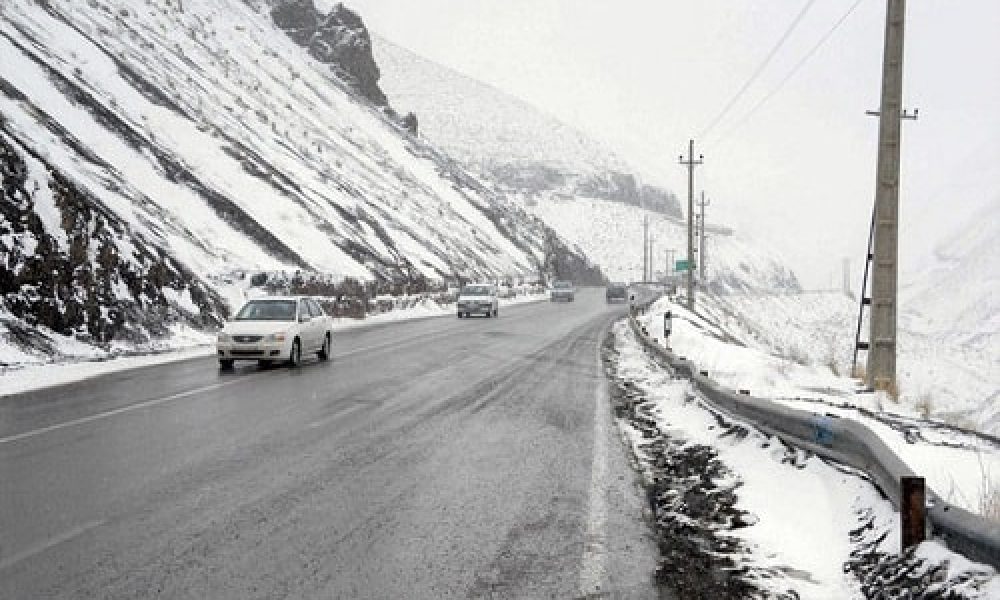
point(273, 329)
point(478, 299)
point(562, 290)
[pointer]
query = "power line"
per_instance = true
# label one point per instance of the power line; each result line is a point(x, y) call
point(791, 73)
point(758, 71)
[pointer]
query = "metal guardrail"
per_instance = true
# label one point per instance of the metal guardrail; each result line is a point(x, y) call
point(847, 442)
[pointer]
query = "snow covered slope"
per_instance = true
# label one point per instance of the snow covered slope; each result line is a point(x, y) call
point(611, 234)
point(147, 146)
point(576, 185)
point(507, 140)
point(958, 293)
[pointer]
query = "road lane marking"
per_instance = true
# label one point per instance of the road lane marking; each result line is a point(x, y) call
point(593, 571)
point(49, 543)
point(121, 410)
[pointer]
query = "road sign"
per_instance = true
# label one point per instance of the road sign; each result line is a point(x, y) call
point(682, 265)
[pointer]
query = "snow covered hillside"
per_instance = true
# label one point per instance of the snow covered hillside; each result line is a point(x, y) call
point(957, 295)
point(146, 147)
point(807, 341)
point(575, 184)
point(508, 141)
point(611, 234)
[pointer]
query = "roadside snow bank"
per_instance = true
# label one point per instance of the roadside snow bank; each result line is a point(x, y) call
point(779, 347)
point(777, 522)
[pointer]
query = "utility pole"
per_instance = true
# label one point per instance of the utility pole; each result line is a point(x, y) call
point(701, 253)
point(645, 245)
point(881, 371)
point(652, 267)
point(691, 163)
point(847, 277)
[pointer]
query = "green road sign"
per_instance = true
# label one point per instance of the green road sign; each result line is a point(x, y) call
point(682, 265)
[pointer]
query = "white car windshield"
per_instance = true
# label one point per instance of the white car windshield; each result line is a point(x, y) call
point(476, 290)
point(562, 285)
point(267, 310)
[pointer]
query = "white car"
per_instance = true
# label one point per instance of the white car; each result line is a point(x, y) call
point(275, 328)
point(478, 299)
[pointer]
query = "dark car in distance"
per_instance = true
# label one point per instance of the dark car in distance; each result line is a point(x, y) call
point(615, 292)
point(562, 290)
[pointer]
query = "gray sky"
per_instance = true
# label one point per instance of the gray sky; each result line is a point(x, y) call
point(646, 75)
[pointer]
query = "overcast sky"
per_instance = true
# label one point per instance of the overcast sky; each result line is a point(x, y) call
point(646, 75)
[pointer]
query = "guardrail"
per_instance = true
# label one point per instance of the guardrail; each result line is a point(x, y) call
point(847, 442)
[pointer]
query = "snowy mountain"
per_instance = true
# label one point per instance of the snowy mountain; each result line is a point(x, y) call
point(508, 141)
point(576, 185)
point(612, 233)
point(148, 149)
point(957, 292)
point(952, 311)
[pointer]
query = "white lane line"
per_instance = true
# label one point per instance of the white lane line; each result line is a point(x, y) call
point(49, 543)
point(593, 570)
point(118, 411)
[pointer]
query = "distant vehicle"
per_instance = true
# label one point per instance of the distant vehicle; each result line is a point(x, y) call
point(562, 290)
point(273, 329)
point(506, 291)
point(478, 299)
point(616, 292)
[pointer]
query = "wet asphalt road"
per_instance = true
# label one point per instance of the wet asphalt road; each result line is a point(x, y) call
point(436, 458)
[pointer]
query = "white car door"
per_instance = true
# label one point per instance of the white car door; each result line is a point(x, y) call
point(318, 324)
point(304, 326)
point(315, 324)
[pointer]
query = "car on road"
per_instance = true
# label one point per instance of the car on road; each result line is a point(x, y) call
point(275, 329)
point(616, 292)
point(562, 290)
point(478, 299)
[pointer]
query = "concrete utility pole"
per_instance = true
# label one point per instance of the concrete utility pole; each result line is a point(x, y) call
point(847, 277)
point(881, 371)
point(645, 245)
point(652, 266)
point(701, 253)
point(691, 163)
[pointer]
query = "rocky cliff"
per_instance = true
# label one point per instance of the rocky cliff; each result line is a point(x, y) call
point(339, 39)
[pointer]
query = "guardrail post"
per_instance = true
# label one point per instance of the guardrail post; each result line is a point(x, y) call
point(913, 511)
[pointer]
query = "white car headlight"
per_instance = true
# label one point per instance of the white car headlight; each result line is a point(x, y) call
point(222, 337)
point(275, 337)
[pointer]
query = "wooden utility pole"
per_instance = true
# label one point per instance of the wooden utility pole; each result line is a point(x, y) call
point(701, 252)
point(691, 163)
point(881, 371)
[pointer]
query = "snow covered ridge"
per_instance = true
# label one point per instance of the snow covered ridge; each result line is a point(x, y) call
point(611, 235)
point(516, 147)
point(146, 148)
